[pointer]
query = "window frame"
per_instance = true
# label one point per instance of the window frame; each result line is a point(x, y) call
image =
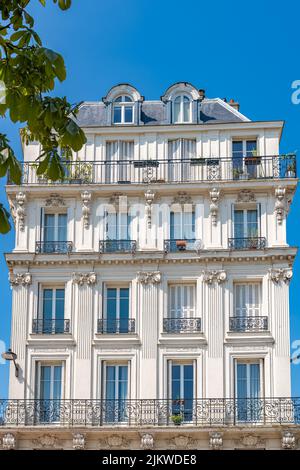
point(247, 361)
point(181, 119)
point(191, 312)
point(247, 283)
point(52, 364)
point(55, 225)
point(105, 298)
point(122, 105)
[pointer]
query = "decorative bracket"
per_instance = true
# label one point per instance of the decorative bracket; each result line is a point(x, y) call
point(153, 277)
point(214, 205)
point(86, 197)
point(211, 277)
point(84, 278)
point(55, 200)
point(280, 274)
point(20, 279)
point(280, 204)
point(149, 198)
point(20, 210)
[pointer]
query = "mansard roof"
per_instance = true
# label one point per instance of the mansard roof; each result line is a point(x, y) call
point(155, 112)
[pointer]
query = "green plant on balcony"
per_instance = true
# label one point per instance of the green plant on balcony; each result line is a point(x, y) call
point(177, 419)
point(239, 174)
point(291, 169)
point(80, 172)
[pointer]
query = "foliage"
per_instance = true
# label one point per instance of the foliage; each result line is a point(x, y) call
point(29, 71)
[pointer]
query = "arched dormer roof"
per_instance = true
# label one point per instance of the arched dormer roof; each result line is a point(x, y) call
point(181, 88)
point(122, 89)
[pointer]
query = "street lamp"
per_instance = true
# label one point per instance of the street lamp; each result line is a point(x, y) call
point(11, 356)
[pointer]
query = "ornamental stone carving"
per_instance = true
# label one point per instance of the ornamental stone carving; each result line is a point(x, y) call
point(55, 200)
point(147, 441)
point(46, 441)
point(78, 441)
point(182, 442)
point(214, 205)
point(20, 279)
point(113, 442)
point(182, 198)
point(19, 211)
point(149, 198)
point(153, 277)
point(288, 440)
point(9, 441)
point(249, 441)
point(245, 195)
point(84, 278)
point(212, 277)
point(280, 204)
point(86, 197)
point(216, 440)
point(280, 275)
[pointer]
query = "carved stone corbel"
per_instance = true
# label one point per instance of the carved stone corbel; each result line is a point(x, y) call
point(214, 205)
point(288, 440)
point(153, 277)
point(149, 198)
point(280, 204)
point(20, 212)
point(214, 276)
point(78, 441)
point(9, 441)
point(280, 275)
point(20, 279)
point(147, 441)
point(216, 440)
point(84, 278)
point(86, 197)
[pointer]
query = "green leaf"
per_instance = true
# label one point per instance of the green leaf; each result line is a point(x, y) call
point(64, 4)
point(4, 220)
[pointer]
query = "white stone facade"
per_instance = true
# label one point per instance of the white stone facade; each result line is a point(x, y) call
point(209, 338)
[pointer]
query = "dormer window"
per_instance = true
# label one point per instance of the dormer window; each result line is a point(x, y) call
point(182, 109)
point(123, 110)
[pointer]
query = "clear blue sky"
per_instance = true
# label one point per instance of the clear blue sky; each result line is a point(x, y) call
point(243, 50)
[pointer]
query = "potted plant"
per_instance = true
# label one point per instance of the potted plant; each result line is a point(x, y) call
point(181, 245)
point(177, 419)
point(80, 172)
point(252, 159)
point(291, 170)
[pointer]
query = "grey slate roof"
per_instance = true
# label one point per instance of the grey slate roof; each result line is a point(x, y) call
point(155, 113)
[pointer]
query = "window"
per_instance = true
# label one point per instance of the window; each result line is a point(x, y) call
point(118, 226)
point(245, 223)
point(55, 233)
point(180, 152)
point(181, 301)
point(182, 225)
point(247, 299)
point(48, 392)
point(248, 390)
point(53, 307)
point(182, 109)
point(123, 110)
point(115, 391)
point(116, 310)
point(181, 389)
point(244, 158)
point(119, 154)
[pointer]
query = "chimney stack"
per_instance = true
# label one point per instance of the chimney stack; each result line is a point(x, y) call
point(234, 104)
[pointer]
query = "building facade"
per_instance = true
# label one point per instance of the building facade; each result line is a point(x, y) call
point(151, 286)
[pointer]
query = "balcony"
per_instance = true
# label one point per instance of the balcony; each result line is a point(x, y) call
point(169, 171)
point(53, 247)
point(50, 327)
point(220, 412)
point(117, 246)
point(120, 326)
point(182, 325)
point(247, 243)
point(180, 245)
point(248, 323)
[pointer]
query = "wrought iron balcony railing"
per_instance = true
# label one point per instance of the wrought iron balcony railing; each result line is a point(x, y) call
point(248, 323)
point(247, 243)
point(173, 245)
point(169, 171)
point(220, 412)
point(117, 246)
point(54, 247)
point(182, 325)
point(122, 325)
point(50, 327)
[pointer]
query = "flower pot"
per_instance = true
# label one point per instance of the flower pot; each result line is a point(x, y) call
point(181, 245)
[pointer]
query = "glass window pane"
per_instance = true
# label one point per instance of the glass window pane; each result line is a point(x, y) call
point(117, 114)
point(119, 99)
point(186, 110)
point(62, 227)
point(47, 304)
point(49, 232)
point(60, 304)
point(128, 113)
point(251, 148)
point(127, 99)
point(177, 109)
point(238, 224)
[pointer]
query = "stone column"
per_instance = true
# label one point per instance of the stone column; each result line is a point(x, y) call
point(149, 287)
point(214, 306)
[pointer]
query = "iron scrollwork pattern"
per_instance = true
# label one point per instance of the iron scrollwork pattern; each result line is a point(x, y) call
point(248, 323)
point(182, 325)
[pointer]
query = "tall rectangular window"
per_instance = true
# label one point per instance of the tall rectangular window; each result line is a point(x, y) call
point(182, 225)
point(116, 312)
point(48, 392)
point(53, 307)
point(248, 390)
point(115, 390)
point(247, 299)
point(181, 389)
point(244, 153)
point(180, 151)
point(246, 223)
point(119, 154)
point(55, 233)
point(181, 301)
